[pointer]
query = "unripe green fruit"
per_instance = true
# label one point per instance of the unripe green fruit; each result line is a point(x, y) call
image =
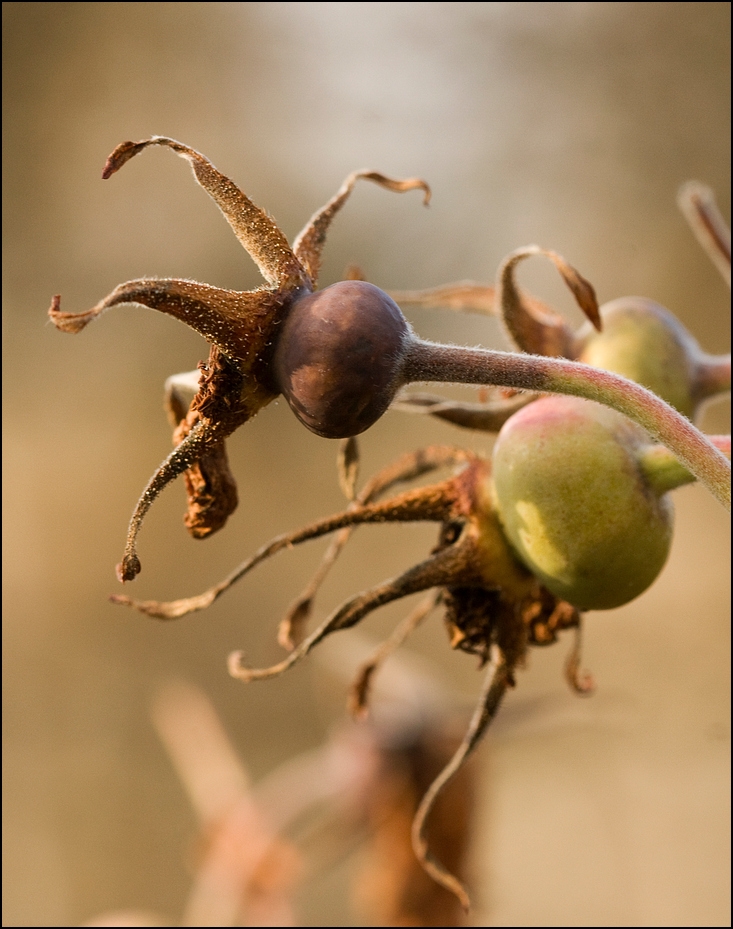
point(643, 341)
point(576, 504)
point(339, 357)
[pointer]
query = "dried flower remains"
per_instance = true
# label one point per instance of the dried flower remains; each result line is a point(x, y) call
point(237, 379)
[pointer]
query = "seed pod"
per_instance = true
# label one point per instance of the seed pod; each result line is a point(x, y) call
point(574, 498)
point(339, 357)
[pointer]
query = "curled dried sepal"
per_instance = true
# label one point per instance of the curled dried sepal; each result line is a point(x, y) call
point(241, 328)
point(433, 504)
point(580, 681)
point(436, 571)
point(361, 686)
point(488, 416)
point(697, 202)
point(407, 468)
point(532, 325)
point(498, 678)
point(548, 334)
point(308, 244)
point(182, 457)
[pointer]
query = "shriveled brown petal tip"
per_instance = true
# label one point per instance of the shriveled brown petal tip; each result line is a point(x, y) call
point(128, 569)
point(69, 322)
point(697, 202)
point(582, 289)
point(309, 242)
point(122, 154)
point(532, 327)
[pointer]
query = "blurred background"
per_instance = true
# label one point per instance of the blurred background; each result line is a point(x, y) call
point(567, 124)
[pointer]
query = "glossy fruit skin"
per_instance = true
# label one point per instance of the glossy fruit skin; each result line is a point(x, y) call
point(339, 356)
point(643, 341)
point(574, 504)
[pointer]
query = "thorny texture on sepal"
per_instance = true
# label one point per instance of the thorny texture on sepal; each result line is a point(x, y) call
point(241, 327)
point(495, 608)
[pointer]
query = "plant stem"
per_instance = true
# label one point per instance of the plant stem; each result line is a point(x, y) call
point(427, 361)
point(664, 472)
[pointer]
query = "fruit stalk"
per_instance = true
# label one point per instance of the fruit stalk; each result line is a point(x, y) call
point(427, 361)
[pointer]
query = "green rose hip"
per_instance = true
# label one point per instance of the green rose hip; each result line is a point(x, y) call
point(571, 484)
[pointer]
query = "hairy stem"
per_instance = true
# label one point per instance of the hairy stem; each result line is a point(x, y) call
point(426, 361)
point(664, 472)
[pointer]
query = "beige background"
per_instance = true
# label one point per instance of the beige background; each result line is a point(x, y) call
point(568, 124)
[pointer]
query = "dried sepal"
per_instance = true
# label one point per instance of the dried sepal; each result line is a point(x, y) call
point(580, 681)
point(347, 464)
point(497, 680)
point(433, 503)
point(362, 683)
point(546, 333)
point(435, 571)
point(407, 468)
point(238, 323)
point(240, 326)
point(309, 243)
point(488, 416)
point(181, 458)
point(463, 297)
point(256, 231)
point(545, 616)
point(697, 202)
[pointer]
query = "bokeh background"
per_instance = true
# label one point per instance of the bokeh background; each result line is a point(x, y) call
point(567, 124)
